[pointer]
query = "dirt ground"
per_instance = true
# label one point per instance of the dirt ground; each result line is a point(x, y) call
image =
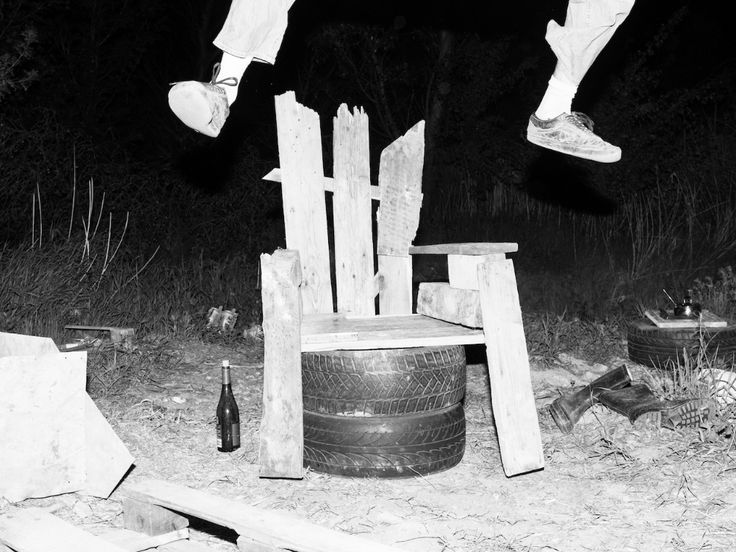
point(608, 486)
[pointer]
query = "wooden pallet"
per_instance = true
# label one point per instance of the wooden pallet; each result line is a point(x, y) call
point(154, 506)
point(117, 335)
point(36, 530)
point(706, 320)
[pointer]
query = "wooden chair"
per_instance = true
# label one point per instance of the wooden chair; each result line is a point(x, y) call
point(479, 304)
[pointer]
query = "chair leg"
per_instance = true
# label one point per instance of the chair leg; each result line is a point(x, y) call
point(512, 398)
point(281, 434)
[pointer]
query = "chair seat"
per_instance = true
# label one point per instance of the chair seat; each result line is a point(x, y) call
point(330, 332)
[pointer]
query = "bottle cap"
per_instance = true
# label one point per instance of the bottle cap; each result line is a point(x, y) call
point(225, 363)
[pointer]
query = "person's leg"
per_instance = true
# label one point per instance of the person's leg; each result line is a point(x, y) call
point(253, 30)
point(589, 25)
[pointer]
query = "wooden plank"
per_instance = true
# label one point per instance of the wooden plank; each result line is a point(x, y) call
point(107, 460)
point(400, 181)
point(353, 213)
point(248, 544)
point(462, 270)
point(383, 332)
point(42, 416)
point(706, 320)
point(512, 399)
point(35, 530)
point(185, 546)
point(395, 295)
point(282, 530)
point(305, 214)
point(281, 435)
point(117, 334)
point(458, 306)
point(274, 175)
point(464, 249)
point(133, 541)
point(143, 517)
point(23, 345)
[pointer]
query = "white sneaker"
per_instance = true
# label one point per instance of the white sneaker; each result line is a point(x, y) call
point(202, 106)
point(571, 133)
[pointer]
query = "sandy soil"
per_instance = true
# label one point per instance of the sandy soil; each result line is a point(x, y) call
point(607, 486)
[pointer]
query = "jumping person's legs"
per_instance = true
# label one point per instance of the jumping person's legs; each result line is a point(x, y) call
point(253, 31)
point(589, 25)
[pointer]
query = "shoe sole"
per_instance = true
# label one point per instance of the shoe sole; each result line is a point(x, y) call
point(611, 157)
point(190, 105)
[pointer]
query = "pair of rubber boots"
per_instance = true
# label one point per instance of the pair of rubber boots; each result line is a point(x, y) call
point(614, 390)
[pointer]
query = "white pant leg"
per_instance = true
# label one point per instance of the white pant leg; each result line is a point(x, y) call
point(589, 25)
point(254, 29)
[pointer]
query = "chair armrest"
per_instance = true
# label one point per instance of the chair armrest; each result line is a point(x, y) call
point(464, 249)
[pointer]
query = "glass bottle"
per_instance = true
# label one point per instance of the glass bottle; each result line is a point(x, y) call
point(228, 417)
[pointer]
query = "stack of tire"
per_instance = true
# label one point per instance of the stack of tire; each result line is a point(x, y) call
point(384, 412)
point(665, 348)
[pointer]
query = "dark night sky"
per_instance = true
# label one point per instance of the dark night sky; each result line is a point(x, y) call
point(105, 67)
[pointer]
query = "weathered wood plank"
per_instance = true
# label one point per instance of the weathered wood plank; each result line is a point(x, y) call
point(133, 541)
point(464, 248)
point(706, 320)
point(42, 416)
point(353, 213)
point(459, 306)
point(35, 530)
point(248, 544)
point(305, 214)
point(462, 270)
point(272, 528)
point(274, 175)
point(395, 294)
point(281, 435)
point(512, 398)
point(143, 517)
point(383, 332)
point(106, 457)
point(400, 181)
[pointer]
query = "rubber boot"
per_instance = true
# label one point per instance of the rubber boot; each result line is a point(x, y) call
point(567, 409)
point(639, 399)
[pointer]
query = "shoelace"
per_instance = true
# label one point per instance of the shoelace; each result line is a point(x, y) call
point(229, 81)
point(582, 120)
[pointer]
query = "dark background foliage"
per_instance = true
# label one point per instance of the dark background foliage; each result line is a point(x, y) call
point(83, 88)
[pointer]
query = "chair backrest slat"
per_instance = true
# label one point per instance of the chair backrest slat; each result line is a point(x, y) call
point(353, 213)
point(400, 182)
point(305, 214)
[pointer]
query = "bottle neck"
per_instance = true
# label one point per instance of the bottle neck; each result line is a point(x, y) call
point(225, 375)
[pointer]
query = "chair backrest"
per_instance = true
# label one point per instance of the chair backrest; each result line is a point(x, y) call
point(305, 213)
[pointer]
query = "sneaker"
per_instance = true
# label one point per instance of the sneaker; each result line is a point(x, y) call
point(571, 133)
point(202, 106)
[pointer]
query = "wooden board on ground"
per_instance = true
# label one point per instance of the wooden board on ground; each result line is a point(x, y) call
point(464, 249)
point(277, 529)
point(23, 345)
point(512, 398)
point(707, 320)
point(42, 420)
point(305, 213)
point(459, 306)
point(35, 530)
point(106, 457)
point(133, 541)
point(117, 335)
point(331, 332)
point(352, 214)
point(281, 435)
